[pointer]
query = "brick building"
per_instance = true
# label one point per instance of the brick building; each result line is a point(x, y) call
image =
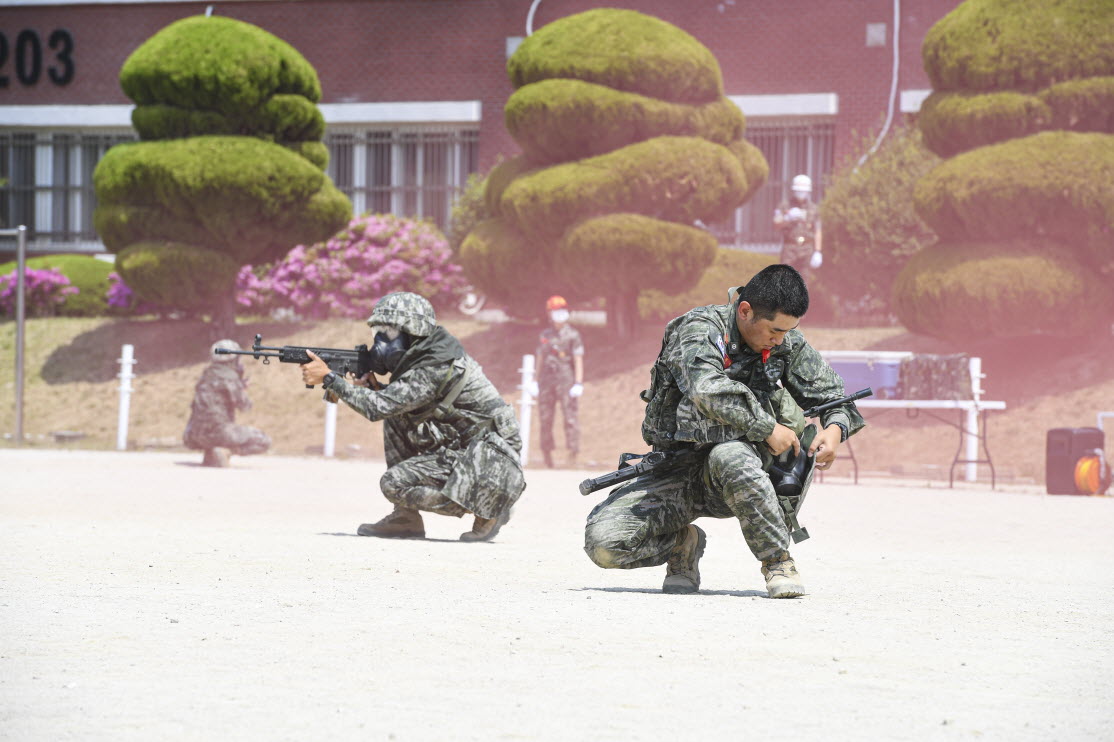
point(414, 90)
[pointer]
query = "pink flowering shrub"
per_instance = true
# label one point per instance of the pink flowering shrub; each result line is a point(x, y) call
point(44, 291)
point(122, 299)
point(344, 276)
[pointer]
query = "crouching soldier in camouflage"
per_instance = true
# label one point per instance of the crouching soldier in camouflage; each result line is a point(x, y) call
point(452, 443)
point(728, 381)
point(221, 391)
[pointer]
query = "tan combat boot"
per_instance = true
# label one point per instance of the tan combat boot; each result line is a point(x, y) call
point(682, 571)
point(218, 457)
point(484, 529)
point(399, 523)
point(782, 580)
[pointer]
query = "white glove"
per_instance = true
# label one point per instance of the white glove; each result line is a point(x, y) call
point(532, 389)
point(795, 214)
point(817, 260)
point(576, 390)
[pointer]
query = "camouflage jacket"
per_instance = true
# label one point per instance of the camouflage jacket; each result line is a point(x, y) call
point(556, 349)
point(415, 396)
point(220, 391)
point(799, 236)
point(707, 386)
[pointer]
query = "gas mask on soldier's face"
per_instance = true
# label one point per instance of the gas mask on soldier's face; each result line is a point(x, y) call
point(389, 347)
point(559, 315)
point(801, 196)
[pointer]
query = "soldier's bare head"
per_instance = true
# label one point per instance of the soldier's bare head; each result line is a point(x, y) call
point(771, 305)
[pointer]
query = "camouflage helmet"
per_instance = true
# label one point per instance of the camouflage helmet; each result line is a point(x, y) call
point(408, 312)
point(225, 344)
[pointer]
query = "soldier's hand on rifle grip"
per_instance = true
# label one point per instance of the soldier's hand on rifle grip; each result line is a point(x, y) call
point(782, 439)
point(314, 371)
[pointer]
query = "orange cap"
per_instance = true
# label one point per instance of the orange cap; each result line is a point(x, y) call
point(555, 302)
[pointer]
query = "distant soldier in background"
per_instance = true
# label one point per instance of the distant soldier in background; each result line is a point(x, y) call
point(221, 391)
point(797, 220)
point(559, 360)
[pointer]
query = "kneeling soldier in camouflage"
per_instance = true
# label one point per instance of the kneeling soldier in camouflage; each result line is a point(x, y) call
point(452, 443)
point(731, 381)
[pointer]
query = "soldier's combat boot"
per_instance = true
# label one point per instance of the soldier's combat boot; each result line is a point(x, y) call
point(218, 457)
point(682, 571)
point(782, 580)
point(399, 523)
point(485, 529)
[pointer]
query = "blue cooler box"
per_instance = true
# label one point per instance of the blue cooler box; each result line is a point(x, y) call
point(881, 376)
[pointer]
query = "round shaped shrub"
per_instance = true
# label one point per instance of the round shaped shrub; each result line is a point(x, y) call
point(1082, 105)
point(956, 122)
point(965, 292)
point(728, 269)
point(1021, 45)
point(622, 49)
point(240, 196)
point(562, 120)
point(1052, 184)
point(87, 274)
point(678, 179)
point(176, 275)
point(651, 253)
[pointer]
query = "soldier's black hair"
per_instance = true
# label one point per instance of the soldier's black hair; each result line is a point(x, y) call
point(774, 289)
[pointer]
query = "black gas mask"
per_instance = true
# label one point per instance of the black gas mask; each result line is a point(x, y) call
point(386, 353)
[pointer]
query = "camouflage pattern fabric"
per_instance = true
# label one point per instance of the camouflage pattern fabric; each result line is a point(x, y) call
point(927, 376)
point(708, 387)
point(640, 522)
point(409, 312)
point(219, 393)
point(432, 459)
point(798, 238)
point(556, 375)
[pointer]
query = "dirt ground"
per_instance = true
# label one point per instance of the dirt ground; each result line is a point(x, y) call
point(145, 597)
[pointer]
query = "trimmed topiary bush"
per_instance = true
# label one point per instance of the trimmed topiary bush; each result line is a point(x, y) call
point(1082, 105)
point(622, 49)
point(85, 273)
point(177, 275)
point(729, 268)
point(1023, 45)
point(628, 142)
point(985, 290)
point(559, 120)
point(677, 179)
point(956, 122)
point(1053, 184)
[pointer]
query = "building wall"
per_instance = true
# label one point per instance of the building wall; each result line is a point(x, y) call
point(433, 50)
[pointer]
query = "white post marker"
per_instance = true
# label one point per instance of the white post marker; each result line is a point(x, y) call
point(972, 424)
point(525, 402)
point(126, 361)
point(330, 428)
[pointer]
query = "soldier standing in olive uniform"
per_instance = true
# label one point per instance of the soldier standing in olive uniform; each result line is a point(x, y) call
point(559, 360)
point(452, 444)
point(797, 220)
point(731, 381)
point(221, 391)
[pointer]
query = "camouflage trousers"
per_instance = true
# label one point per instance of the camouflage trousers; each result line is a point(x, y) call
point(550, 397)
point(417, 473)
point(639, 524)
point(241, 440)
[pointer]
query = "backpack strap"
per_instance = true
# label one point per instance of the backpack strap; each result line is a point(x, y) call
point(445, 406)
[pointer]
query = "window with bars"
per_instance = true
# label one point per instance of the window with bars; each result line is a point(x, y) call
point(406, 171)
point(791, 147)
point(48, 183)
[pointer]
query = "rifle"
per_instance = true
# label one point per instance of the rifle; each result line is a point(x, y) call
point(665, 460)
point(342, 362)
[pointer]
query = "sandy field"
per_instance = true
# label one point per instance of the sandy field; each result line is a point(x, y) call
point(144, 597)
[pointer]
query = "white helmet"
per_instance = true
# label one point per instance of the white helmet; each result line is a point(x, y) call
point(224, 345)
point(802, 183)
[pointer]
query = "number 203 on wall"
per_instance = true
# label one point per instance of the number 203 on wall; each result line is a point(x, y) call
point(27, 58)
